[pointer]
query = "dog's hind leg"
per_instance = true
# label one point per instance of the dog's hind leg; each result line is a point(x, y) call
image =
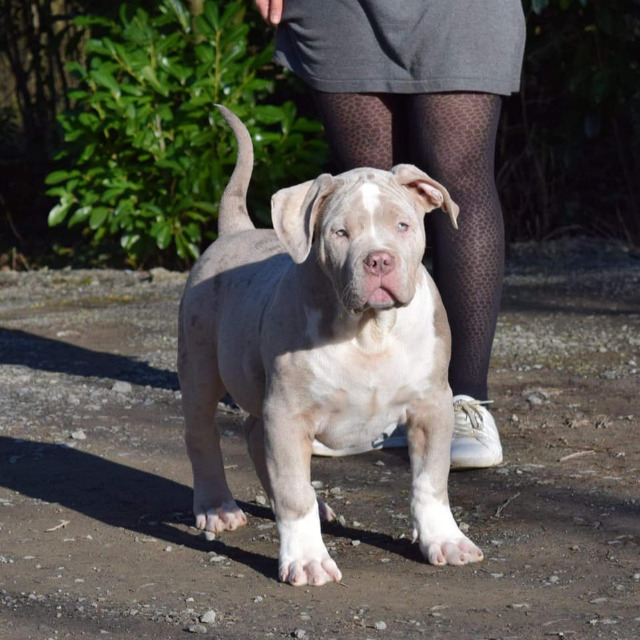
point(213, 505)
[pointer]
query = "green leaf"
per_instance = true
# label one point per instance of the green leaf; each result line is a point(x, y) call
point(181, 14)
point(268, 114)
point(98, 217)
point(208, 207)
point(106, 80)
point(55, 177)
point(79, 215)
point(163, 234)
point(58, 213)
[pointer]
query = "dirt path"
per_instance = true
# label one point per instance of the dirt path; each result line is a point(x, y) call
point(95, 530)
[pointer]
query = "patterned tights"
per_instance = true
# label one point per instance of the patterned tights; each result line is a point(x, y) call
point(452, 137)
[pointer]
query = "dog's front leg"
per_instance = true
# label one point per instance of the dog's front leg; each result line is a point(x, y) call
point(430, 427)
point(303, 557)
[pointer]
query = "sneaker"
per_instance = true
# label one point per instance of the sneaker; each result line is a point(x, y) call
point(395, 435)
point(476, 442)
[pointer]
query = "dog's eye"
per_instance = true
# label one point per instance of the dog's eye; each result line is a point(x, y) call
point(403, 226)
point(341, 233)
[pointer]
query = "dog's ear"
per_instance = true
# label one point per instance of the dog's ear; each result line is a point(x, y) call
point(294, 212)
point(430, 193)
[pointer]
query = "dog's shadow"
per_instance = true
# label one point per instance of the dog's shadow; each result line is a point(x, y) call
point(137, 500)
point(114, 494)
point(26, 349)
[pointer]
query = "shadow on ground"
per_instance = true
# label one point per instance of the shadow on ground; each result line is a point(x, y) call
point(29, 350)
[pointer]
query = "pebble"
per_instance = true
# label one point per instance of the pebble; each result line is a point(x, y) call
point(79, 435)
point(208, 617)
point(535, 399)
point(258, 599)
point(317, 484)
point(121, 387)
point(380, 625)
point(299, 633)
point(197, 628)
point(355, 543)
point(261, 500)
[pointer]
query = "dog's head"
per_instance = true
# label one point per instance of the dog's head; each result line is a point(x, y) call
point(367, 230)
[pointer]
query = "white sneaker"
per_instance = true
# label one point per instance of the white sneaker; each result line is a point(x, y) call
point(476, 442)
point(395, 435)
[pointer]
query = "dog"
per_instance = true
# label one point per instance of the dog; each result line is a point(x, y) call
point(327, 327)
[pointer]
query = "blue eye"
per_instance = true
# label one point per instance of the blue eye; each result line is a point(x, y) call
point(403, 226)
point(342, 233)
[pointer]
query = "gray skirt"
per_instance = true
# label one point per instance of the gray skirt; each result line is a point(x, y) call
point(403, 46)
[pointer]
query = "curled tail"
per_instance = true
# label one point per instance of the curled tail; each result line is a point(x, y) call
point(233, 216)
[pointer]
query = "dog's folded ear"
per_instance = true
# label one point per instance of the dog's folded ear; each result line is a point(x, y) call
point(431, 194)
point(294, 212)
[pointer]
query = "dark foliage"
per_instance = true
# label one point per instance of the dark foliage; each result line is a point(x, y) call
point(569, 155)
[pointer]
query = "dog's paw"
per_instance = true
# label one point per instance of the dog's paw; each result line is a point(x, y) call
point(327, 514)
point(456, 550)
point(227, 517)
point(309, 571)
point(303, 557)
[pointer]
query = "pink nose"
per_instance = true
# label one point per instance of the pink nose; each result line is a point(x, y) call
point(379, 263)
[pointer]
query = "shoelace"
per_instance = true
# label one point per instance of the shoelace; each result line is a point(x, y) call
point(472, 414)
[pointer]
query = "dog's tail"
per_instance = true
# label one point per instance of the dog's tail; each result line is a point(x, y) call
point(233, 215)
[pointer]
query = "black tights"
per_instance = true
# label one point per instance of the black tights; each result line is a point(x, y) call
point(452, 137)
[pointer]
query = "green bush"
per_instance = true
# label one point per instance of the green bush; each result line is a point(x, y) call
point(148, 155)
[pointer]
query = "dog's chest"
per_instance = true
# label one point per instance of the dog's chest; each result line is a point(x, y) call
point(357, 392)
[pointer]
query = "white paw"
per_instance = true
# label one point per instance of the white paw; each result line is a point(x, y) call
point(441, 541)
point(304, 560)
point(227, 517)
point(455, 551)
point(327, 514)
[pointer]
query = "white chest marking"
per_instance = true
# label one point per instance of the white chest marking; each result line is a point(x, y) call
point(375, 379)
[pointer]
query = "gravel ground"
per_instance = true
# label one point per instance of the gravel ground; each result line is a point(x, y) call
point(95, 529)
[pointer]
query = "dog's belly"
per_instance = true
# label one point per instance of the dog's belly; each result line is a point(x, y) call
point(354, 427)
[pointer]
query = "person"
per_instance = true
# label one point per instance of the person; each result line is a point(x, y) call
point(422, 81)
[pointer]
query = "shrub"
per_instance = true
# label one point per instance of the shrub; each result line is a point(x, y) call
point(148, 155)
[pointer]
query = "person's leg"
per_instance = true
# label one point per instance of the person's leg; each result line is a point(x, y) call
point(455, 143)
point(361, 129)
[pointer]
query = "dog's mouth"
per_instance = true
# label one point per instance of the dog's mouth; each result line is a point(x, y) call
point(377, 298)
point(381, 298)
